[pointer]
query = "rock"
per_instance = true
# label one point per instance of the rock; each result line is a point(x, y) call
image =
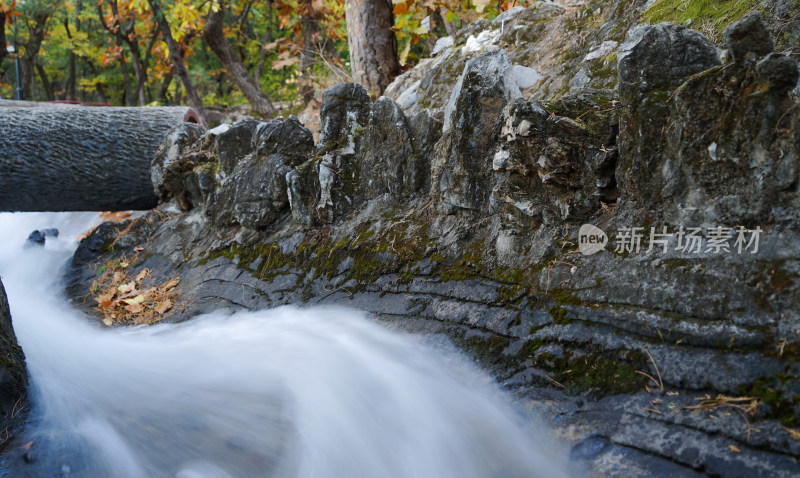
point(460, 172)
point(36, 237)
point(345, 108)
point(652, 64)
point(170, 164)
point(256, 190)
point(233, 144)
point(442, 44)
point(425, 132)
point(388, 161)
point(551, 168)
point(748, 35)
point(660, 58)
point(780, 71)
point(343, 119)
point(13, 374)
point(287, 137)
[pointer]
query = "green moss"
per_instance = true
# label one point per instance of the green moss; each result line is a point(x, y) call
point(559, 315)
point(488, 351)
point(782, 405)
point(675, 263)
point(711, 17)
point(605, 374)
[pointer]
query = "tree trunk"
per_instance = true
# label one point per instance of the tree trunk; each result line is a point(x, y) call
point(373, 45)
point(215, 38)
point(36, 33)
point(48, 87)
point(80, 158)
point(310, 32)
point(177, 61)
point(3, 51)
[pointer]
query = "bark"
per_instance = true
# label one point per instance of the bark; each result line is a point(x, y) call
point(3, 51)
point(48, 87)
point(372, 42)
point(80, 158)
point(37, 29)
point(177, 61)
point(310, 23)
point(214, 36)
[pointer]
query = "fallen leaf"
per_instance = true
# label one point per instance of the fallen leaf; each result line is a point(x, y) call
point(142, 274)
point(163, 306)
point(134, 308)
point(125, 288)
point(27, 446)
point(734, 449)
point(123, 265)
point(171, 283)
point(136, 300)
point(108, 322)
point(105, 299)
point(118, 276)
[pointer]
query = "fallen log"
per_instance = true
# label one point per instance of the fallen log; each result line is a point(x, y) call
point(80, 158)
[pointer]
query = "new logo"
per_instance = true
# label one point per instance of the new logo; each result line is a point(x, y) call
point(591, 240)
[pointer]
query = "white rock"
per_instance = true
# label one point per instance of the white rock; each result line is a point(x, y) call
point(442, 44)
point(525, 76)
point(604, 49)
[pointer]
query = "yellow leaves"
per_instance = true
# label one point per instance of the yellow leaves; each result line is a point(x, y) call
point(400, 8)
point(793, 433)
point(734, 448)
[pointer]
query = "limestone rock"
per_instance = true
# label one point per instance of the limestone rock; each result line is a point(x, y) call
point(234, 144)
point(388, 163)
point(460, 169)
point(660, 58)
point(748, 35)
point(169, 165)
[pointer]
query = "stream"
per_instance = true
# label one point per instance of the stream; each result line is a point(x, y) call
point(287, 392)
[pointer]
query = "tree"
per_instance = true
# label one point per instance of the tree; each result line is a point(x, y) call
point(177, 61)
point(214, 36)
point(373, 45)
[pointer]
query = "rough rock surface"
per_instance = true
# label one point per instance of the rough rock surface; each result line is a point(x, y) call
point(490, 254)
point(13, 376)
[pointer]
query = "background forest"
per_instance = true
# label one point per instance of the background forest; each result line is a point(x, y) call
point(221, 53)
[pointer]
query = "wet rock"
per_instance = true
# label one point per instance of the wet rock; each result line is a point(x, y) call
point(170, 164)
point(13, 374)
point(748, 35)
point(425, 132)
point(36, 238)
point(460, 176)
point(388, 162)
point(345, 108)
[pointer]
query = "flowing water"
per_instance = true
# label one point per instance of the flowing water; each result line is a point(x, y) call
point(288, 392)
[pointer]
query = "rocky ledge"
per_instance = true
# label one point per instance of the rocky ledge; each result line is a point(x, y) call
point(625, 261)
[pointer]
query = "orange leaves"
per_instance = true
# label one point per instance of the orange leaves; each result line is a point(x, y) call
point(7, 10)
point(123, 300)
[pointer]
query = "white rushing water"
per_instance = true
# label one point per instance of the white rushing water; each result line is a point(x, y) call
point(289, 392)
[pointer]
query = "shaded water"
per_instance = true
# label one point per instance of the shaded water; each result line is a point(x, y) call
point(288, 392)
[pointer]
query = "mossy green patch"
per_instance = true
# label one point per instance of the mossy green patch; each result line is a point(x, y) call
point(711, 17)
point(782, 404)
